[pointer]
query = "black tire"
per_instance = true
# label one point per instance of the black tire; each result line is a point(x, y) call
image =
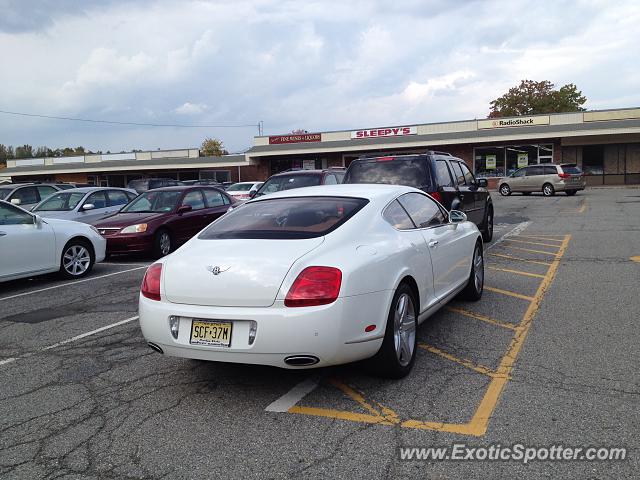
point(162, 243)
point(570, 193)
point(388, 362)
point(548, 190)
point(505, 190)
point(77, 259)
point(475, 285)
point(487, 231)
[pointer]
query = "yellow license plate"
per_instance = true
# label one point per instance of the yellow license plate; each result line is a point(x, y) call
point(211, 333)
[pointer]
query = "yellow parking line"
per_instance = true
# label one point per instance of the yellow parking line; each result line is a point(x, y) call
point(482, 318)
point(384, 412)
point(518, 272)
point(340, 414)
point(534, 237)
point(550, 236)
point(480, 421)
point(509, 293)
point(532, 243)
point(528, 250)
point(460, 361)
point(511, 257)
point(583, 207)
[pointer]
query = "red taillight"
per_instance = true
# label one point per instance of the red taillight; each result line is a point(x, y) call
point(151, 282)
point(384, 159)
point(314, 286)
point(564, 175)
point(436, 196)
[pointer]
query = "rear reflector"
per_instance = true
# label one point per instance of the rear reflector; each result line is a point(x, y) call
point(314, 286)
point(151, 282)
point(384, 159)
point(564, 175)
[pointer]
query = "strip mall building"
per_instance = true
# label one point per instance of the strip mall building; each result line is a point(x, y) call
point(605, 144)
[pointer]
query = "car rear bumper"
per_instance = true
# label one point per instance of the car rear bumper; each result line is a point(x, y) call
point(334, 333)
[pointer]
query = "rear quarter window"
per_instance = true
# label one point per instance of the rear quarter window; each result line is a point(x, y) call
point(571, 169)
point(411, 172)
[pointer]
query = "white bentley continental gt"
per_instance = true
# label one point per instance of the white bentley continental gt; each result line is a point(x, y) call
point(313, 277)
point(31, 245)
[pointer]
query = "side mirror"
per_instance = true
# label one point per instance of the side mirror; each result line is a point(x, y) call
point(184, 209)
point(483, 183)
point(252, 193)
point(15, 201)
point(88, 206)
point(456, 216)
point(37, 220)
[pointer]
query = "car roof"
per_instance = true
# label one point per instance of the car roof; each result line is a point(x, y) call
point(182, 188)
point(96, 189)
point(369, 191)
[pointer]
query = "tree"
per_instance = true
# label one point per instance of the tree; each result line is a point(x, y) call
point(531, 97)
point(212, 147)
point(5, 152)
point(25, 151)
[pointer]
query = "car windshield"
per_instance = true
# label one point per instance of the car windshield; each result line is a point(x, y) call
point(240, 187)
point(60, 202)
point(4, 192)
point(285, 218)
point(288, 182)
point(411, 172)
point(154, 201)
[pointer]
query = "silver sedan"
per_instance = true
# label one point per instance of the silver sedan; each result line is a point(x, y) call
point(86, 204)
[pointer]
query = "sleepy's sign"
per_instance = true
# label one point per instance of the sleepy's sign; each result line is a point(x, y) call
point(384, 132)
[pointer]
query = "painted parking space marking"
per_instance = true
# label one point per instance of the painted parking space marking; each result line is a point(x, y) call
point(509, 293)
point(517, 272)
point(511, 257)
point(635, 259)
point(517, 240)
point(546, 239)
point(498, 377)
point(529, 250)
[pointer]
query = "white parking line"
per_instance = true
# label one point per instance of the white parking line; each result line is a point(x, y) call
point(71, 283)
point(69, 340)
point(514, 231)
point(293, 396)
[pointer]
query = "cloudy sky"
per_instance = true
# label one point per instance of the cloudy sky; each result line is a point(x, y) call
point(317, 65)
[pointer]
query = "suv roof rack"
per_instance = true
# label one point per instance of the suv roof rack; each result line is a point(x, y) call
point(440, 153)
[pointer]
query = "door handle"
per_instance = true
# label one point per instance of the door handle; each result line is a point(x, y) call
point(433, 243)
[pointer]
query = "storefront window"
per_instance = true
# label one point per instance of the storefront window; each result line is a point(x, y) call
point(502, 161)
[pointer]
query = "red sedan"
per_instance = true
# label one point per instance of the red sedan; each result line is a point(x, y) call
point(160, 220)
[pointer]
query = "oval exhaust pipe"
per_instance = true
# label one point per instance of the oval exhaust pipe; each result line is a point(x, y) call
point(155, 347)
point(301, 360)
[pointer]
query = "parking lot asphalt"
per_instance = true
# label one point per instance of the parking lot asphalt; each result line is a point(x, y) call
point(549, 356)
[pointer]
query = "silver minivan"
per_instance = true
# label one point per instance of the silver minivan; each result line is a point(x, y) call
point(86, 204)
point(546, 178)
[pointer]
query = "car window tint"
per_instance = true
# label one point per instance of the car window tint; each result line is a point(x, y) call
point(26, 195)
point(60, 202)
point(411, 172)
point(443, 174)
point(97, 199)
point(116, 197)
point(423, 210)
point(45, 191)
point(285, 218)
point(534, 171)
point(214, 198)
point(550, 170)
point(330, 179)
point(13, 216)
point(468, 176)
point(570, 169)
point(195, 199)
point(397, 217)
point(457, 172)
point(520, 173)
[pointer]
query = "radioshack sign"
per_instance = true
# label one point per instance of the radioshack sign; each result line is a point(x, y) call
point(384, 132)
point(513, 122)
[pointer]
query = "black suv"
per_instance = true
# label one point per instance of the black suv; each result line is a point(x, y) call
point(297, 178)
point(441, 175)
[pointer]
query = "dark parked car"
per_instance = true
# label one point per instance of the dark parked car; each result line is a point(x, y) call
point(160, 220)
point(145, 184)
point(27, 195)
point(441, 175)
point(300, 178)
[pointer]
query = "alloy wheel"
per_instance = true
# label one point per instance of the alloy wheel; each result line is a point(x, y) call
point(505, 190)
point(404, 329)
point(478, 270)
point(165, 243)
point(76, 260)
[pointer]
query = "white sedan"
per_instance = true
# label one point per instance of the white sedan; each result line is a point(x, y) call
point(313, 277)
point(30, 245)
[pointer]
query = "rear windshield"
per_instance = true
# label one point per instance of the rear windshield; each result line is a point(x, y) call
point(411, 172)
point(285, 218)
point(288, 182)
point(571, 169)
point(240, 187)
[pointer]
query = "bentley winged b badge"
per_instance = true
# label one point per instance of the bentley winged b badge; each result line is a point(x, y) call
point(217, 270)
